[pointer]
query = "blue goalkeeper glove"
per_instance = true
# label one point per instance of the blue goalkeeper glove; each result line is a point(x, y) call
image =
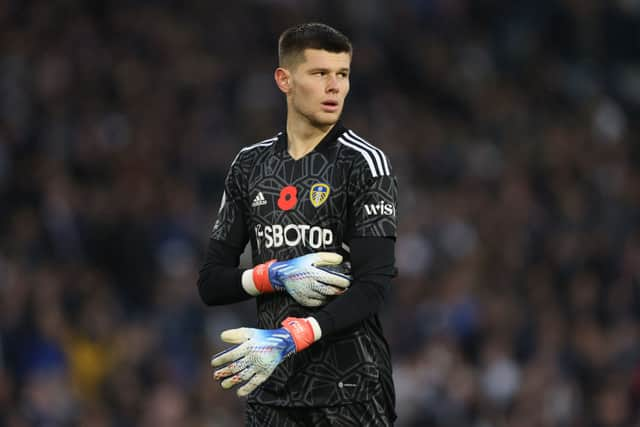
point(309, 279)
point(258, 352)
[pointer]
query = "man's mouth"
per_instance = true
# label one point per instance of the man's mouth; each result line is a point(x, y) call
point(330, 105)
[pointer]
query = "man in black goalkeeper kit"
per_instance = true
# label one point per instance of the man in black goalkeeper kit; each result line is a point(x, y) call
point(311, 200)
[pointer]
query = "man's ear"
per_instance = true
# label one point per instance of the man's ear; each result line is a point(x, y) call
point(282, 77)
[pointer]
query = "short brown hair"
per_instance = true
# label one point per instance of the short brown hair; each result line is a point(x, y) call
point(313, 35)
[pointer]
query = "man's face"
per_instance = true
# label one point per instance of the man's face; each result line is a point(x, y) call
point(319, 86)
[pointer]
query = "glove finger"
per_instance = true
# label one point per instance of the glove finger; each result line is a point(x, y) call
point(232, 336)
point(229, 355)
point(252, 384)
point(308, 296)
point(326, 258)
point(332, 278)
point(310, 302)
point(308, 291)
point(327, 290)
point(230, 369)
point(236, 336)
point(238, 378)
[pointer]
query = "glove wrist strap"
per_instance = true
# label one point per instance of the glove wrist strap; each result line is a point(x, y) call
point(261, 277)
point(301, 331)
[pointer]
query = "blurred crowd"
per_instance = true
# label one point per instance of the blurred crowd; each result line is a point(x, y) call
point(511, 124)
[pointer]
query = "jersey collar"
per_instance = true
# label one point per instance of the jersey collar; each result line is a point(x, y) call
point(324, 145)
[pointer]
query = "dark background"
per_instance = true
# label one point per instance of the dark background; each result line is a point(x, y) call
point(512, 126)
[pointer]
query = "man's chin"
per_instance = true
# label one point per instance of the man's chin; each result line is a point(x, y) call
point(324, 120)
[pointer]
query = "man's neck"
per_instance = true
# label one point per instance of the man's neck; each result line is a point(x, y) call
point(304, 137)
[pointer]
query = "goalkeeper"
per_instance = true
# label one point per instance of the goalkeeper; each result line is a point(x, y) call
point(313, 201)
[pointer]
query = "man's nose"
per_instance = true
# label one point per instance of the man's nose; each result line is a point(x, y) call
point(332, 84)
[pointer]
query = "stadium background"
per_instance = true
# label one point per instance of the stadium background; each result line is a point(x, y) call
point(512, 125)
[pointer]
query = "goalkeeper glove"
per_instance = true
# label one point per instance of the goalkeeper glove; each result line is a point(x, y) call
point(309, 279)
point(260, 351)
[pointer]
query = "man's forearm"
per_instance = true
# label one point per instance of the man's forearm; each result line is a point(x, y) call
point(220, 280)
point(372, 261)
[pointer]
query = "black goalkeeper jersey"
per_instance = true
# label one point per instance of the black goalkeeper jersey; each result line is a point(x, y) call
point(344, 189)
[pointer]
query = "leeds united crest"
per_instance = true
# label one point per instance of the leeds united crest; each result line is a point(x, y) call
point(319, 194)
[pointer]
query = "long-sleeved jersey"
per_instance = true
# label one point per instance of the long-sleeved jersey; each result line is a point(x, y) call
point(341, 193)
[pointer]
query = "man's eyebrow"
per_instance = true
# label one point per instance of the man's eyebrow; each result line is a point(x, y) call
point(343, 69)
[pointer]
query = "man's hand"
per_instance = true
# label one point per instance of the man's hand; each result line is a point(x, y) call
point(258, 352)
point(309, 279)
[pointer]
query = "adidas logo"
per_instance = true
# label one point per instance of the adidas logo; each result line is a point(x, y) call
point(259, 200)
